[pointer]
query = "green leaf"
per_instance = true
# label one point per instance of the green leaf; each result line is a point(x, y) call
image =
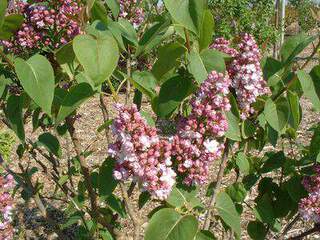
point(256, 230)
point(294, 46)
point(277, 113)
point(271, 71)
point(128, 32)
point(309, 88)
point(14, 115)
point(248, 129)
point(65, 54)
point(116, 205)
point(295, 188)
point(51, 143)
point(275, 160)
point(204, 235)
point(264, 210)
point(188, 13)
point(145, 83)
point(143, 199)
point(228, 212)
point(98, 56)
point(168, 56)
point(74, 98)
point(114, 7)
point(148, 118)
point(181, 195)
point(37, 78)
point(154, 36)
point(173, 226)
point(99, 12)
point(295, 109)
point(172, 93)
point(11, 24)
point(243, 163)
point(196, 67)
point(3, 84)
point(206, 31)
point(3, 8)
point(214, 60)
point(106, 181)
point(233, 132)
point(237, 192)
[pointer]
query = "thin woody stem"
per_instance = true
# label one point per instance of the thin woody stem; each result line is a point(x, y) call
point(315, 229)
point(131, 212)
point(211, 204)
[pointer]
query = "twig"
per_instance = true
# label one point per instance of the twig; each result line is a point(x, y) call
point(223, 165)
point(131, 212)
point(188, 45)
point(289, 226)
point(128, 88)
point(4, 56)
point(315, 229)
point(105, 115)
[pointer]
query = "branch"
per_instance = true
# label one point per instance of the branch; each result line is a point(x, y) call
point(223, 165)
point(188, 45)
point(105, 115)
point(315, 229)
point(289, 226)
point(131, 212)
point(128, 88)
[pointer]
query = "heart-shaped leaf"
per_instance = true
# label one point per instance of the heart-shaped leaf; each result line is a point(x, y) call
point(98, 56)
point(37, 78)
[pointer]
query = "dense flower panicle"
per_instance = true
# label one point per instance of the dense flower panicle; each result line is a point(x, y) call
point(309, 207)
point(46, 24)
point(246, 75)
point(6, 207)
point(141, 154)
point(223, 45)
point(197, 143)
point(245, 71)
point(130, 10)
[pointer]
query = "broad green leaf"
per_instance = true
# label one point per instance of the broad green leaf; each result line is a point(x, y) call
point(293, 46)
point(274, 160)
point(143, 199)
point(10, 25)
point(65, 54)
point(233, 132)
point(315, 143)
point(37, 78)
point(248, 129)
point(272, 71)
point(172, 93)
point(154, 36)
point(128, 32)
point(3, 8)
point(205, 235)
point(82, 77)
point(237, 192)
point(3, 84)
point(188, 13)
point(277, 113)
point(295, 109)
point(173, 226)
point(264, 210)
point(51, 143)
point(147, 116)
point(14, 115)
point(75, 97)
point(98, 56)
point(309, 88)
point(168, 56)
point(116, 205)
point(243, 163)
point(228, 212)
point(181, 195)
point(206, 31)
point(99, 12)
point(214, 60)
point(106, 181)
point(295, 188)
point(114, 7)
point(196, 67)
point(145, 82)
point(256, 230)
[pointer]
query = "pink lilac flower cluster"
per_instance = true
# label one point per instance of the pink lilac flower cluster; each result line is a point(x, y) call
point(309, 207)
point(47, 24)
point(245, 72)
point(141, 154)
point(130, 10)
point(6, 207)
point(197, 143)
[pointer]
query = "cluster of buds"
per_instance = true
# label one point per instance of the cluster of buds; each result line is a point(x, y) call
point(197, 143)
point(6, 207)
point(309, 207)
point(245, 71)
point(130, 10)
point(141, 154)
point(47, 25)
